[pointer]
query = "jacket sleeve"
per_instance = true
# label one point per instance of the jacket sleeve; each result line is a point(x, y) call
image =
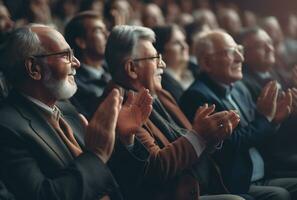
point(85, 178)
point(168, 161)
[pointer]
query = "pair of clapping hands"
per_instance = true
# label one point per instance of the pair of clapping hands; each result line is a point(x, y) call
point(274, 105)
point(111, 117)
point(215, 127)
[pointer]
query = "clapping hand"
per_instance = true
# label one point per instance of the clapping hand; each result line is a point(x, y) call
point(267, 101)
point(284, 107)
point(133, 114)
point(214, 127)
point(100, 131)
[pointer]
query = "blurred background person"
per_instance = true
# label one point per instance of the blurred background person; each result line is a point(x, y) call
point(171, 44)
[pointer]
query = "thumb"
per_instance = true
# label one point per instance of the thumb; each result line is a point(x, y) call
point(83, 120)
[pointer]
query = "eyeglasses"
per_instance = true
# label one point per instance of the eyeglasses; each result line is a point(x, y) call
point(157, 57)
point(68, 54)
point(230, 51)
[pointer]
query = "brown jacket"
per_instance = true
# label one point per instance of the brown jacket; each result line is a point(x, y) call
point(167, 175)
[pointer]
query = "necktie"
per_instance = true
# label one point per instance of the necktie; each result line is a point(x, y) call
point(65, 132)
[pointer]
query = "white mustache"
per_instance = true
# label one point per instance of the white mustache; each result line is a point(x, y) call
point(159, 71)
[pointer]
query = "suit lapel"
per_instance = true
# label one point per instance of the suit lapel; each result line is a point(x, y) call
point(43, 130)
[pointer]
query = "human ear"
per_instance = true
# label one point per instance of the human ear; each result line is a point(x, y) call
point(80, 42)
point(131, 69)
point(206, 63)
point(33, 69)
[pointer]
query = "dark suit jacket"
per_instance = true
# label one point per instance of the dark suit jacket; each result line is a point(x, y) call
point(233, 158)
point(4, 194)
point(280, 152)
point(89, 90)
point(36, 163)
point(167, 175)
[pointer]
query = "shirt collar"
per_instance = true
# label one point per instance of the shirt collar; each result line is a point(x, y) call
point(51, 111)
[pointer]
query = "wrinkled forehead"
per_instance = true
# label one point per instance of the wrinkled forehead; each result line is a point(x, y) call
point(50, 39)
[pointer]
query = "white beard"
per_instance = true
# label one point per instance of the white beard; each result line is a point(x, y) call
point(60, 89)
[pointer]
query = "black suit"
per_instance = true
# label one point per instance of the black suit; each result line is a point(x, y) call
point(233, 158)
point(36, 163)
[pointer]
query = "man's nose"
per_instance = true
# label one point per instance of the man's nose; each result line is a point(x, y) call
point(75, 62)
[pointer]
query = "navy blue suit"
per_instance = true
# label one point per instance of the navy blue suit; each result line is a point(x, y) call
point(233, 159)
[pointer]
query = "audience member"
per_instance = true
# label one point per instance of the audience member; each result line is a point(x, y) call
point(240, 162)
point(174, 144)
point(152, 16)
point(52, 152)
point(229, 20)
point(171, 44)
point(280, 151)
point(86, 34)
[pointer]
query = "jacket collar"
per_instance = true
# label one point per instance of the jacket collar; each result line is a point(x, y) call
point(38, 123)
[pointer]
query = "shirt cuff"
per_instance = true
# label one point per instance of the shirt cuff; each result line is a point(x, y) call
point(197, 142)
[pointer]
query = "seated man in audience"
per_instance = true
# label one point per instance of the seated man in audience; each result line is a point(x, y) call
point(280, 151)
point(47, 150)
point(86, 34)
point(174, 144)
point(241, 164)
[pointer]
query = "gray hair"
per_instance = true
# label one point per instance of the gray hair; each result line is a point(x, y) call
point(122, 44)
point(19, 45)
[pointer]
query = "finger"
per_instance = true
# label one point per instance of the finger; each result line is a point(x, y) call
point(201, 108)
point(235, 122)
point(290, 98)
point(265, 90)
point(146, 111)
point(148, 99)
point(220, 116)
point(206, 111)
point(294, 94)
point(140, 96)
point(130, 98)
point(272, 93)
point(83, 120)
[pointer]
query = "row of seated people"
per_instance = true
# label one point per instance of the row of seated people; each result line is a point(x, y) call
point(49, 151)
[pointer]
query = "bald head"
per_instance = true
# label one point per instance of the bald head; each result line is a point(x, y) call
point(207, 42)
point(49, 37)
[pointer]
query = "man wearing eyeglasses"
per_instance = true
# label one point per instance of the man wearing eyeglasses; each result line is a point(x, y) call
point(175, 145)
point(48, 150)
point(87, 34)
point(240, 162)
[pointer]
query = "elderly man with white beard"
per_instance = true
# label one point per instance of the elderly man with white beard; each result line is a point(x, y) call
point(47, 149)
